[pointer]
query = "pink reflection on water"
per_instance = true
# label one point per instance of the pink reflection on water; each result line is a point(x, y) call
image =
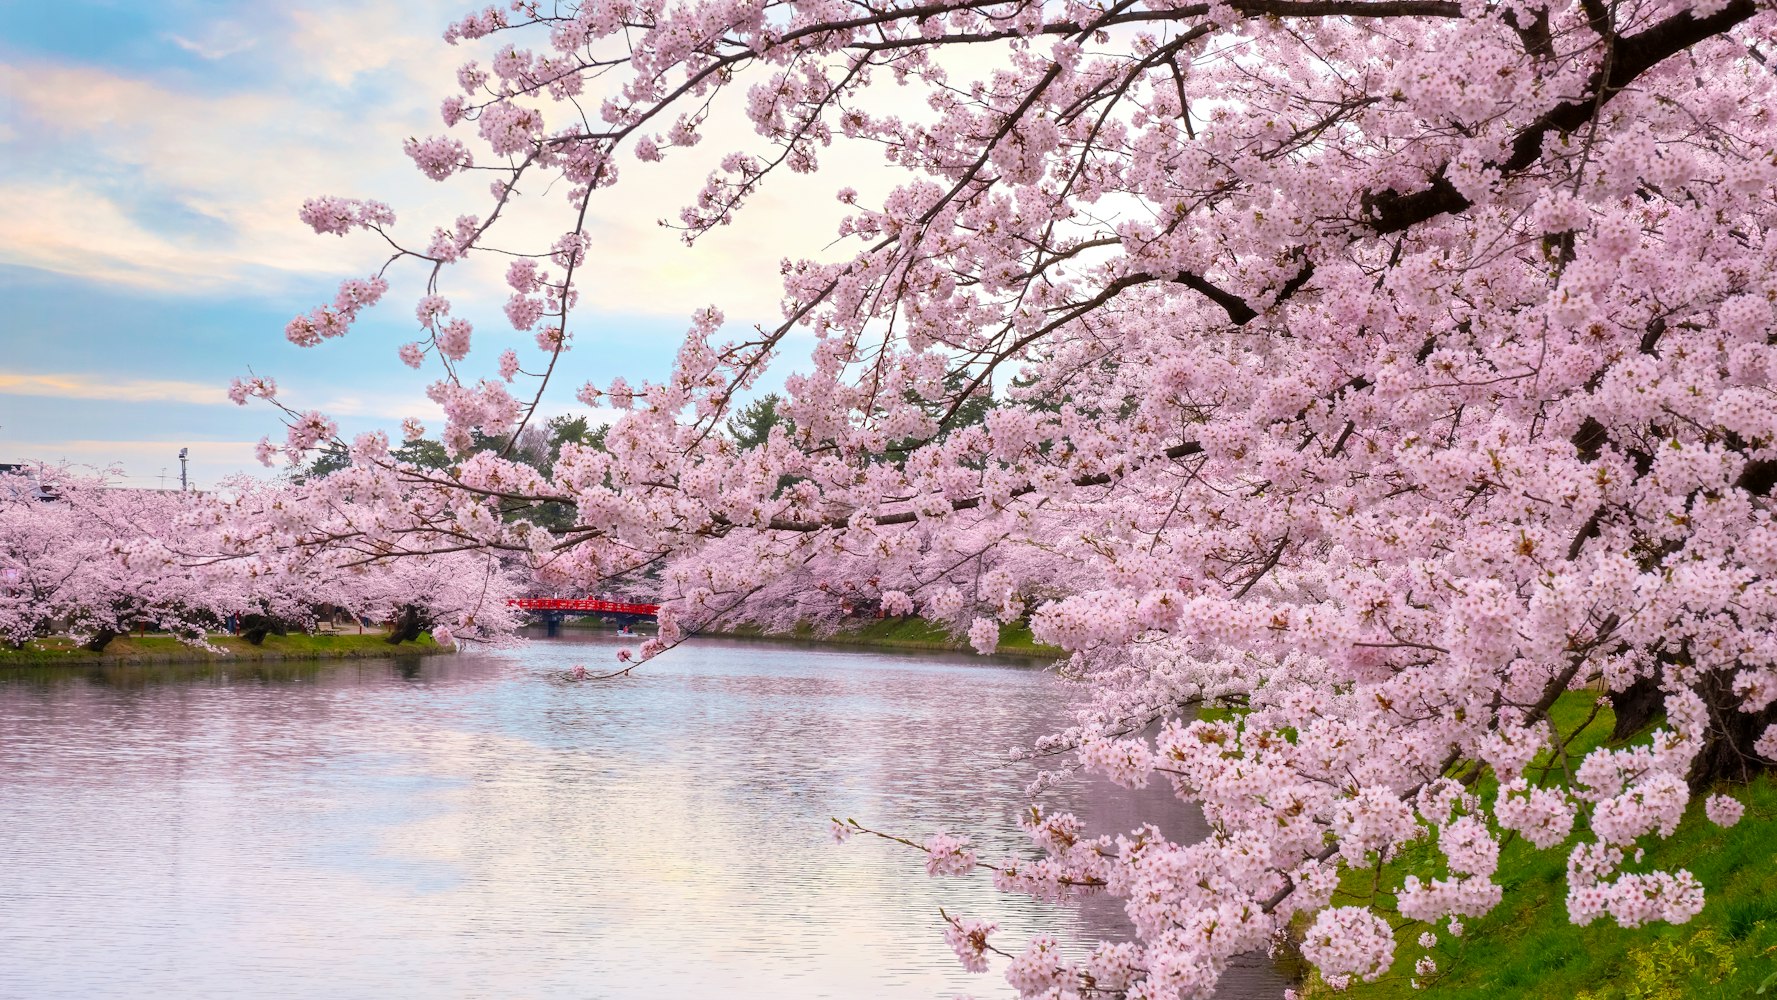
point(464, 826)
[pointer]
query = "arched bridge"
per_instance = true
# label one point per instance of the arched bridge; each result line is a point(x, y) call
point(553, 609)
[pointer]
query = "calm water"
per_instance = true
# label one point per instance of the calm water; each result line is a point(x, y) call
point(470, 826)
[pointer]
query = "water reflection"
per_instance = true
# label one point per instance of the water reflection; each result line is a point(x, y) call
point(465, 826)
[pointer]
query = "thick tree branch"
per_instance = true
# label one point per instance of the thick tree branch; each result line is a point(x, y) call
point(1392, 211)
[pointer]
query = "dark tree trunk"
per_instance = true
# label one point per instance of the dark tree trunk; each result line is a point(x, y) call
point(1635, 707)
point(100, 640)
point(254, 628)
point(1727, 753)
point(407, 626)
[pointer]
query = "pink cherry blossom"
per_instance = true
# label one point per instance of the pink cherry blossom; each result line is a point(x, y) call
point(948, 855)
point(984, 635)
point(1723, 810)
point(968, 938)
point(439, 156)
point(1349, 941)
point(1376, 373)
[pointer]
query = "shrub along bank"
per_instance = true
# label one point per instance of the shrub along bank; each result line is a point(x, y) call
point(130, 649)
point(904, 633)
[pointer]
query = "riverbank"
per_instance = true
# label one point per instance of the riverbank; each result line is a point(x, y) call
point(907, 634)
point(157, 649)
point(1527, 947)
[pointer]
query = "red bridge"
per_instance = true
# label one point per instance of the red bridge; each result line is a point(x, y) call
point(583, 605)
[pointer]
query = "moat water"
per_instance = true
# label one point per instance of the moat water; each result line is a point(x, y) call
point(472, 826)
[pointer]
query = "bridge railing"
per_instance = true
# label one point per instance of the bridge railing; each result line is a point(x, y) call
point(583, 604)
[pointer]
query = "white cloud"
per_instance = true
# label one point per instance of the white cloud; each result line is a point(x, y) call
point(179, 189)
point(72, 228)
point(218, 42)
point(339, 45)
point(160, 185)
point(243, 162)
point(120, 390)
point(380, 406)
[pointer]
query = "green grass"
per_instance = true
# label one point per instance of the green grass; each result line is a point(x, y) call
point(1527, 947)
point(908, 633)
point(164, 648)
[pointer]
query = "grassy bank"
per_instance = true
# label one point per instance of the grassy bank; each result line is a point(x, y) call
point(166, 649)
point(904, 633)
point(1527, 947)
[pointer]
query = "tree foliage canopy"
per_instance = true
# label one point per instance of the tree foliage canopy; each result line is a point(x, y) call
point(1380, 369)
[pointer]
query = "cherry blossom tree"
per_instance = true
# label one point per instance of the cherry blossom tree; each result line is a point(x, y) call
point(80, 556)
point(1379, 369)
point(290, 550)
point(39, 543)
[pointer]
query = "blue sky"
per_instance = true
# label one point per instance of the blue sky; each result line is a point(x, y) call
point(152, 160)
